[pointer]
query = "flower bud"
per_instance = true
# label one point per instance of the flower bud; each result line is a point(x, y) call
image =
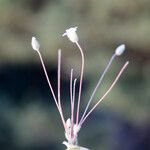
point(71, 34)
point(35, 44)
point(120, 49)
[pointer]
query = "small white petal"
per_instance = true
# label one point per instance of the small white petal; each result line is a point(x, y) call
point(68, 123)
point(64, 34)
point(35, 44)
point(66, 143)
point(66, 136)
point(120, 49)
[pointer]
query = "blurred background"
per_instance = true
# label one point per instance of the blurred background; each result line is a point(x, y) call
point(28, 116)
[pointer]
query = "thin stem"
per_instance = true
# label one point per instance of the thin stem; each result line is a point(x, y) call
point(50, 86)
point(71, 95)
point(98, 84)
point(73, 102)
point(110, 88)
point(46, 75)
point(59, 76)
point(81, 81)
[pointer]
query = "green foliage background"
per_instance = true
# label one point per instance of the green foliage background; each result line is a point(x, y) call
point(28, 120)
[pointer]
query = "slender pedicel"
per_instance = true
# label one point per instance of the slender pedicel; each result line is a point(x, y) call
point(97, 86)
point(119, 51)
point(81, 81)
point(110, 88)
point(36, 46)
point(73, 37)
point(46, 75)
point(71, 94)
point(73, 102)
point(59, 74)
point(59, 87)
point(73, 99)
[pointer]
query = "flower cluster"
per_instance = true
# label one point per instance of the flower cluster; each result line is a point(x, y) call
point(73, 124)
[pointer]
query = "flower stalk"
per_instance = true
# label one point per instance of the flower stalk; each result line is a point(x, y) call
point(74, 123)
point(37, 49)
point(81, 82)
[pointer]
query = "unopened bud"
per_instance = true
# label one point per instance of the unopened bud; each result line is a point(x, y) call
point(35, 44)
point(120, 49)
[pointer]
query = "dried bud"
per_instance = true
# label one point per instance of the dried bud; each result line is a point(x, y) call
point(71, 34)
point(120, 49)
point(35, 44)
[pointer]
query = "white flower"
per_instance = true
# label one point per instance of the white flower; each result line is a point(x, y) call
point(120, 49)
point(71, 34)
point(35, 44)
